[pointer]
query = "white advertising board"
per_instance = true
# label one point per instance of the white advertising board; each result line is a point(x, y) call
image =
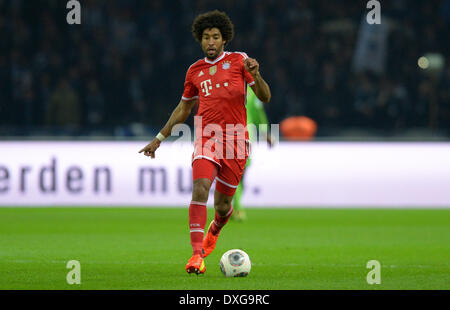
point(312, 174)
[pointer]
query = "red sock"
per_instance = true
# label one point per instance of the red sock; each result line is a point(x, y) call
point(197, 222)
point(220, 221)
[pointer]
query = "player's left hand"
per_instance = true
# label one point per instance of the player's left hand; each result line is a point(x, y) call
point(252, 66)
point(269, 141)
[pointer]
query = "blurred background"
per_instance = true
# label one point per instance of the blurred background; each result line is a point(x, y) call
point(120, 73)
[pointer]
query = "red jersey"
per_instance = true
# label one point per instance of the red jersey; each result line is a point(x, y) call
point(220, 85)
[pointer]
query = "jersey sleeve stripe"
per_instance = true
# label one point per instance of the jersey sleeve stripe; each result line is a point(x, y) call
point(251, 83)
point(243, 54)
point(194, 64)
point(189, 99)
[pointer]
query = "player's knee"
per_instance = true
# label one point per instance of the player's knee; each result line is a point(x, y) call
point(223, 206)
point(201, 190)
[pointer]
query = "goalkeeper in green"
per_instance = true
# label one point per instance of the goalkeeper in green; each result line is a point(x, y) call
point(255, 116)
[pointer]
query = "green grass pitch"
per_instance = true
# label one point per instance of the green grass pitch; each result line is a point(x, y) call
point(139, 248)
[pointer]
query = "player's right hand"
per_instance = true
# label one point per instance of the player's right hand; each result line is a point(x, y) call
point(150, 149)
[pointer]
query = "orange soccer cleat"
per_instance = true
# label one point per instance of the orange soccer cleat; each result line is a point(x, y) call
point(196, 265)
point(209, 242)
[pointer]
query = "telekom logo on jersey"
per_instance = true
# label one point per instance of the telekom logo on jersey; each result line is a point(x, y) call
point(214, 141)
point(206, 87)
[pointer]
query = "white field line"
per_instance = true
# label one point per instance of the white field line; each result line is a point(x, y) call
point(28, 261)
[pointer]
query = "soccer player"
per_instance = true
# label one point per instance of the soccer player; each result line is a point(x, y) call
point(219, 83)
point(255, 116)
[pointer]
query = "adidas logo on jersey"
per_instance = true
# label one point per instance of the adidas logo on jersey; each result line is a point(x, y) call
point(201, 73)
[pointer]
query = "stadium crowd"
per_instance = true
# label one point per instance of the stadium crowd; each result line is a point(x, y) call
point(121, 71)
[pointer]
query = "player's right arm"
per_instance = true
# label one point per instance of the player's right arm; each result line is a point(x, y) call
point(178, 116)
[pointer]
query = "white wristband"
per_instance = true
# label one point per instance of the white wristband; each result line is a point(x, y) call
point(160, 137)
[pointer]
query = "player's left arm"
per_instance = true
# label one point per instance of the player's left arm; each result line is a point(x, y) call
point(262, 120)
point(261, 88)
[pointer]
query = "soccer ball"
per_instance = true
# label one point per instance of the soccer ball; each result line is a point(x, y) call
point(235, 263)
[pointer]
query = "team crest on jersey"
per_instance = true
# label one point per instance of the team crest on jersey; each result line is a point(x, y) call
point(212, 70)
point(226, 65)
